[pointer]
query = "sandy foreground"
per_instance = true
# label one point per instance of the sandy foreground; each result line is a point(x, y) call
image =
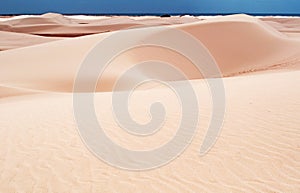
point(258, 148)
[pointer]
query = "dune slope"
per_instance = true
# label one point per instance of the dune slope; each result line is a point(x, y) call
point(239, 44)
point(257, 150)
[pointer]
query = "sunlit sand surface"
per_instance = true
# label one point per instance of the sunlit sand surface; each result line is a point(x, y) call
point(258, 149)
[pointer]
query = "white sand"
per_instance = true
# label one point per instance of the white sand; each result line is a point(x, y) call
point(258, 149)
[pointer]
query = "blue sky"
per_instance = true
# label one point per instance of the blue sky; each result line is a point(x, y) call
point(150, 6)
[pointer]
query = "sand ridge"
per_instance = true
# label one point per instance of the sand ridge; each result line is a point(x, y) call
point(235, 51)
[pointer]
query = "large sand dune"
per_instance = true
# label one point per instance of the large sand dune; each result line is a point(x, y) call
point(258, 149)
point(58, 25)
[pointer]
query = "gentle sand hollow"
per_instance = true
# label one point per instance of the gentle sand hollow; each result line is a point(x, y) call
point(258, 149)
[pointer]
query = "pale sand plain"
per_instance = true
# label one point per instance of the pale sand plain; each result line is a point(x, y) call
point(258, 149)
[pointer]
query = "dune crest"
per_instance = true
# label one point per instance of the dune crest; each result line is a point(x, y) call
point(240, 44)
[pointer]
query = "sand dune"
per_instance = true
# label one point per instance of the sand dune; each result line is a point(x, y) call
point(12, 40)
point(240, 44)
point(53, 24)
point(244, 44)
point(284, 24)
point(58, 25)
point(288, 26)
point(257, 150)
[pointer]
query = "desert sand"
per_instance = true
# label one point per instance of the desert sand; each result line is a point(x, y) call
point(258, 148)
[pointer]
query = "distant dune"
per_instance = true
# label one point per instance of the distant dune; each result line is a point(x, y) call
point(12, 40)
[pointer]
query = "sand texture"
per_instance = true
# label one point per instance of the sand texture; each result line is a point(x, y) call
point(258, 149)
